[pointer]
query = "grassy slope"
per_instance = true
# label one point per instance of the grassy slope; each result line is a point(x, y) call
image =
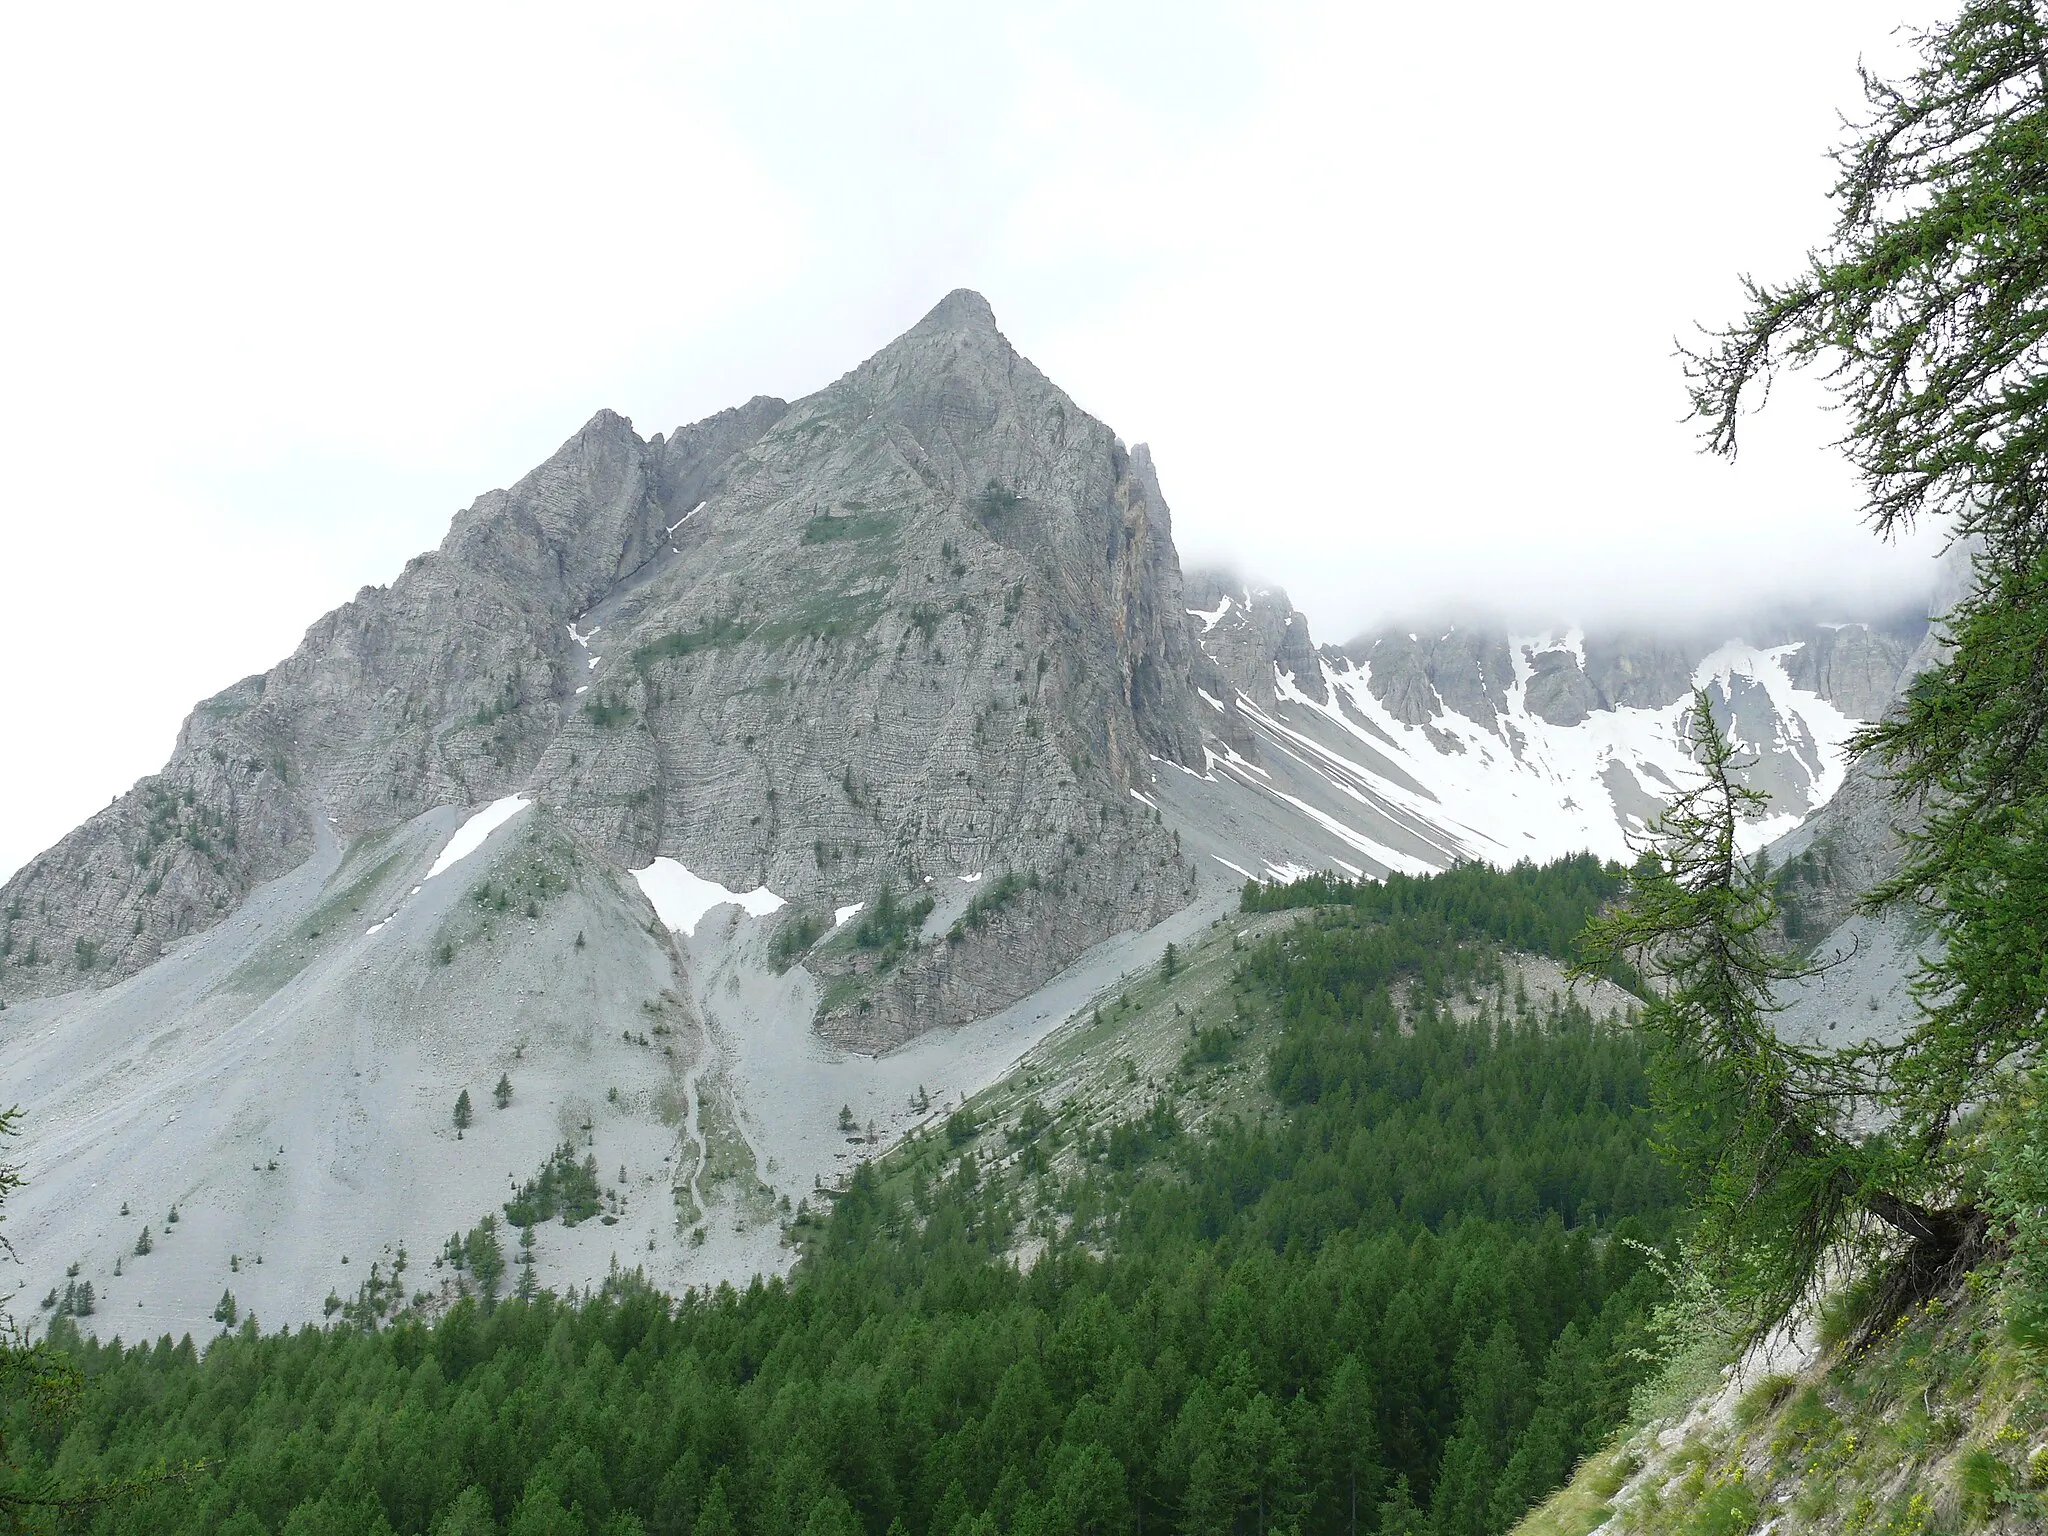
point(1942, 1427)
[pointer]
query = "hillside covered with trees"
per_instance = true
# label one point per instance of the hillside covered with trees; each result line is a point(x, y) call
point(1409, 1301)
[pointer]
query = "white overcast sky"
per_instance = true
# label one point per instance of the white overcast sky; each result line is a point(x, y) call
point(1391, 290)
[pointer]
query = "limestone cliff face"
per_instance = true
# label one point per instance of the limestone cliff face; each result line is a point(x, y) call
point(926, 622)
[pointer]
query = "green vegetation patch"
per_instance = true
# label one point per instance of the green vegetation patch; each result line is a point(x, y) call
point(721, 631)
point(608, 712)
point(1537, 908)
point(564, 1187)
point(828, 616)
point(998, 894)
point(890, 926)
point(996, 501)
point(180, 816)
point(799, 931)
point(828, 529)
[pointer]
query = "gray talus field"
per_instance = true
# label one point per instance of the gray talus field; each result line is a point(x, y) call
point(286, 1082)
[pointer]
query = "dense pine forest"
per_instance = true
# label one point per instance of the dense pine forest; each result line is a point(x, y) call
point(1406, 1301)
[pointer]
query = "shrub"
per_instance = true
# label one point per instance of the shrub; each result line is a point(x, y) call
point(1031, 1124)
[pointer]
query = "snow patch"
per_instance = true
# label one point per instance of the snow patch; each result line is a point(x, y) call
point(1516, 785)
point(1210, 620)
point(672, 527)
point(1289, 871)
point(840, 915)
point(681, 899)
point(1144, 799)
point(471, 834)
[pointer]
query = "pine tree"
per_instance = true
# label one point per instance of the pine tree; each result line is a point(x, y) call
point(714, 1515)
point(1399, 1515)
point(1766, 1126)
point(502, 1094)
point(1924, 302)
point(484, 1257)
point(469, 1515)
point(462, 1111)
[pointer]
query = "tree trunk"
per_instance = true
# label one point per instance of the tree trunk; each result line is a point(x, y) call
point(1942, 1246)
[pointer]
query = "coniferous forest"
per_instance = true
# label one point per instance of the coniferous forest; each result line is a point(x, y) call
point(1405, 1301)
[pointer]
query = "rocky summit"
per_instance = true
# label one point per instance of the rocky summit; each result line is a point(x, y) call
point(924, 624)
point(728, 803)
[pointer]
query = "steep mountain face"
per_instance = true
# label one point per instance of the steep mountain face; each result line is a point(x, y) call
point(924, 623)
point(1407, 750)
point(695, 784)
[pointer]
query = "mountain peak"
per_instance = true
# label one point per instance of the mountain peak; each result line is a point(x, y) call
point(961, 310)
